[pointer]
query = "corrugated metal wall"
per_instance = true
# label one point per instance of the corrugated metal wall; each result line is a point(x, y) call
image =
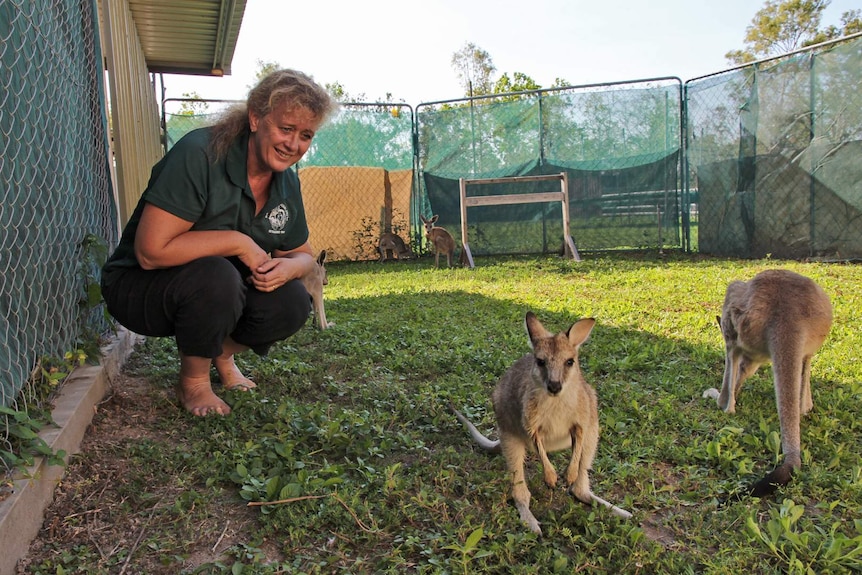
point(133, 109)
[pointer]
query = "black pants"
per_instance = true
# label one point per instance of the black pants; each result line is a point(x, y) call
point(203, 302)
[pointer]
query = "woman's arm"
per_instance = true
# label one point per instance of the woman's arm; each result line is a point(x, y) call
point(164, 240)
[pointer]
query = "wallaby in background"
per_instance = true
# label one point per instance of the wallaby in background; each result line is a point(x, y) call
point(443, 241)
point(314, 282)
point(542, 403)
point(782, 317)
point(390, 242)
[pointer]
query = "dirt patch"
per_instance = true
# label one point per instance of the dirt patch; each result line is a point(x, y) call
point(115, 512)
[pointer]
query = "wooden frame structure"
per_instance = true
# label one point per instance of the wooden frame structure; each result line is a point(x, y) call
point(561, 196)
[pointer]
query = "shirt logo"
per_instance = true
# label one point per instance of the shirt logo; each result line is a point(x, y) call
point(278, 218)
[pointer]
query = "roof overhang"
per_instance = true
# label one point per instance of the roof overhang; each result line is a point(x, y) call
point(188, 36)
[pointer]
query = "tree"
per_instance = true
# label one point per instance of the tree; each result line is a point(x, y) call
point(782, 26)
point(193, 108)
point(340, 93)
point(851, 23)
point(264, 69)
point(520, 82)
point(474, 67)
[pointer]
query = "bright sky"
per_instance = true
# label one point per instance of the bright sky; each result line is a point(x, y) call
point(405, 48)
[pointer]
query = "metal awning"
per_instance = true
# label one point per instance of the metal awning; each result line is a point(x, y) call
point(188, 36)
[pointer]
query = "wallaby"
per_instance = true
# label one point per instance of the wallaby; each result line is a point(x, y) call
point(314, 282)
point(392, 242)
point(443, 241)
point(542, 403)
point(782, 317)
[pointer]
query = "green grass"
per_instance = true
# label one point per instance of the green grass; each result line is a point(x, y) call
point(352, 425)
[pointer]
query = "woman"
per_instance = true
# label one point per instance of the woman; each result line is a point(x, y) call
point(215, 247)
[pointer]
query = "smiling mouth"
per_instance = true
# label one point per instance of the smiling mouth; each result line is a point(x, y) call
point(282, 154)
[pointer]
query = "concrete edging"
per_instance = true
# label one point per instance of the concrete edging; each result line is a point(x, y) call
point(21, 514)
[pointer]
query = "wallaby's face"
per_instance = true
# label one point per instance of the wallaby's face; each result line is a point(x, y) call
point(556, 355)
point(429, 225)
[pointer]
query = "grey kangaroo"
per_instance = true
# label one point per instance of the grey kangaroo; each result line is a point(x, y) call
point(782, 317)
point(314, 282)
point(542, 403)
point(443, 241)
point(390, 242)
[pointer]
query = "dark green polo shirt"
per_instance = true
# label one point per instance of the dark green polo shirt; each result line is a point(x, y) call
point(216, 196)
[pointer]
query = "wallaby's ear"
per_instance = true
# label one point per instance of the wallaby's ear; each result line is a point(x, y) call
point(579, 332)
point(535, 329)
point(322, 257)
point(718, 319)
point(434, 218)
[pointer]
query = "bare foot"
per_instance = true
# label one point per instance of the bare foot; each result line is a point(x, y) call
point(198, 398)
point(231, 377)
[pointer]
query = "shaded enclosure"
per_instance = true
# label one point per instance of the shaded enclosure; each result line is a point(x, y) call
point(774, 154)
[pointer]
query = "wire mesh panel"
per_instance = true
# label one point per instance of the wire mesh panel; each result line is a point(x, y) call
point(773, 155)
point(55, 182)
point(357, 180)
point(182, 115)
point(618, 143)
point(357, 176)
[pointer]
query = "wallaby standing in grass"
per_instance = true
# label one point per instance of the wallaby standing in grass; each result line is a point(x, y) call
point(314, 282)
point(782, 317)
point(443, 241)
point(542, 403)
point(392, 242)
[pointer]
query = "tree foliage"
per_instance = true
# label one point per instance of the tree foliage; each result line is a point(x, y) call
point(264, 69)
point(782, 26)
point(192, 108)
point(519, 82)
point(474, 67)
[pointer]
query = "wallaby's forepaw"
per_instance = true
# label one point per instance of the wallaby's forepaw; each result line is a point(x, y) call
point(550, 477)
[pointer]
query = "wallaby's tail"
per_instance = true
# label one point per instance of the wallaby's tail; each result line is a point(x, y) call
point(779, 476)
point(484, 442)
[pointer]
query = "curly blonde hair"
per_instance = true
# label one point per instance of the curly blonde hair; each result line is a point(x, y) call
point(291, 87)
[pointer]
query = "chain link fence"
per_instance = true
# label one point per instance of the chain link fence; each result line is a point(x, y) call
point(357, 176)
point(774, 156)
point(619, 144)
point(758, 160)
point(57, 212)
point(377, 167)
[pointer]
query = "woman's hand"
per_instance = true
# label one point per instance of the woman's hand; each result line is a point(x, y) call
point(253, 255)
point(274, 273)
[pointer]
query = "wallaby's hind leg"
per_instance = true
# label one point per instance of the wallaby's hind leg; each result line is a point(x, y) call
point(515, 451)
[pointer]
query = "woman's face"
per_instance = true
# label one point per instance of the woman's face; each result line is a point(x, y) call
point(280, 138)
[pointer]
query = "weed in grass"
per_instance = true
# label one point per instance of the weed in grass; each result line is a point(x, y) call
point(801, 549)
